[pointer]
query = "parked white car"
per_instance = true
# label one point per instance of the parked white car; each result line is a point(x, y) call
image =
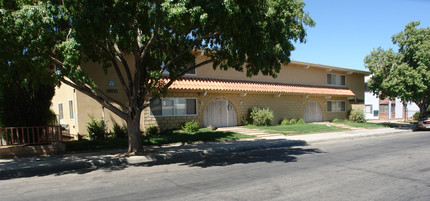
point(424, 122)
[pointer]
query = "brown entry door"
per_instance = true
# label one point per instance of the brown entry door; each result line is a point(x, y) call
point(313, 112)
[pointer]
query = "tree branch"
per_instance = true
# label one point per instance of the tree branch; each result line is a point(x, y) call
point(185, 72)
point(125, 64)
point(118, 72)
point(149, 43)
point(97, 98)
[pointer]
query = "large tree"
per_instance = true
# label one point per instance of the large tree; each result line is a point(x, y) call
point(26, 87)
point(253, 36)
point(406, 73)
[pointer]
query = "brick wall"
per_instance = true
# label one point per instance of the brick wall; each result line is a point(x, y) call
point(285, 106)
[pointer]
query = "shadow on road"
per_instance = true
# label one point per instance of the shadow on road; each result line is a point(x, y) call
point(195, 155)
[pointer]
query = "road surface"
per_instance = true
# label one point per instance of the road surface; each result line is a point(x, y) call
point(390, 167)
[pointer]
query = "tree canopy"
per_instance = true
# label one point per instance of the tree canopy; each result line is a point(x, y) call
point(406, 73)
point(26, 84)
point(252, 36)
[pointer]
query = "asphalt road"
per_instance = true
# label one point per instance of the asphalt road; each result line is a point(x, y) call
point(390, 167)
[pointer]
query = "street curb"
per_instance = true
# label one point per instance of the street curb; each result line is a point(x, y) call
point(87, 162)
point(51, 165)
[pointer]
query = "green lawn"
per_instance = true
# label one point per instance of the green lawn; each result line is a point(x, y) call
point(297, 128)
point(165, 137)
point(361, 125)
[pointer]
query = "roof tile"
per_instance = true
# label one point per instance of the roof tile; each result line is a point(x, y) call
point(249, 86)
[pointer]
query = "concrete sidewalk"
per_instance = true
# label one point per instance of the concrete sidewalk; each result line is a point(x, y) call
point(176, 153)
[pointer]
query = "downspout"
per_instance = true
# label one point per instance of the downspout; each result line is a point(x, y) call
point(104, 122)
point(389, 109)
point(75, 108)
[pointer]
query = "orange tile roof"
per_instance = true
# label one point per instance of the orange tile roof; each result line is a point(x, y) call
point(248, 86)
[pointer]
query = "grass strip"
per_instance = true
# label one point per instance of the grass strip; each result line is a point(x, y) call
point(297, 128)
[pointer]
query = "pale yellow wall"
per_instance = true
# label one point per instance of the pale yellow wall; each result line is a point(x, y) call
point(290, 74)
point(88, 106)
point(83, 106)
point(291, 106)
point(63, 95)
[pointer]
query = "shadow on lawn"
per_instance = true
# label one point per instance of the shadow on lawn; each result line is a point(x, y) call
point(194, 155)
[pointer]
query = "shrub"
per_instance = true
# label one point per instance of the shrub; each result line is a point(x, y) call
point(300, 121)
point(357, 115)
point(335, 120)
point(261, 116)
point(151, 130)
point(416, 116)
point(293, 121)
point(285, 122)
point(96, 128)
point(245, 121)
point(119, 131)
point(190, 126)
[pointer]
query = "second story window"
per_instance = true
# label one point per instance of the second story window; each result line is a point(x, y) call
point(336, 79)
point(191, 72)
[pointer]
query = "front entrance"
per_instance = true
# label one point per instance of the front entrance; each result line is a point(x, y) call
point(220, 113)
point(313, 112)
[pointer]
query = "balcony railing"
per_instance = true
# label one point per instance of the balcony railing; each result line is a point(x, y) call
point(30, 135)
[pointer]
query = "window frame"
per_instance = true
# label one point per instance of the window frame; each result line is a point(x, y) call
point(60, 111)
point(336, 74)
point(340, 101)
point(175, 101)
point(166, 72)
point(71, 109)
point(371, 109)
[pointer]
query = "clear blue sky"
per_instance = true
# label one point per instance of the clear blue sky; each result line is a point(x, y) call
point(347, 30)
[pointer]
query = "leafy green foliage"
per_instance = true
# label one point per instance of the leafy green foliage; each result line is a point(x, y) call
point(152, 130)
point(119, 131)
point(96, 128)
point(357, 115)
point(300, 121)
point(297, 128)
point(284, 122)
point(154, 36)
point(416, 116)
point(190, 126)
point(293, 121)
point(26, 87)
point(260, 116)
point(404, 74)
point(335, 120)
point(245, 120)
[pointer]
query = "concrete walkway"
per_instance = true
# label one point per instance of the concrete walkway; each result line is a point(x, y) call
point(256, 132)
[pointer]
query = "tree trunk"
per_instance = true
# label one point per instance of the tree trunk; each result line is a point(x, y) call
point(135, 145)
point(422, 109)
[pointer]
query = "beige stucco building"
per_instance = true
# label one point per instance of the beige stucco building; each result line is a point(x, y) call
point(310, 91)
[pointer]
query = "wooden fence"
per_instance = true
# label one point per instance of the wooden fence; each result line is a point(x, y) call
point(32, 135)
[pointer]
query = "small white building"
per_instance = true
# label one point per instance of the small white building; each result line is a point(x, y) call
point(376, 109)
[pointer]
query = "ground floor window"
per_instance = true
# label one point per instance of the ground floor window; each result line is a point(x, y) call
point(368, 109)
point(383, 108)
point(335, 106)
point(173, 107)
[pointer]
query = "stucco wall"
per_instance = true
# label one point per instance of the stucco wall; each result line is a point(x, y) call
point(63, 95)
point(286, 106)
